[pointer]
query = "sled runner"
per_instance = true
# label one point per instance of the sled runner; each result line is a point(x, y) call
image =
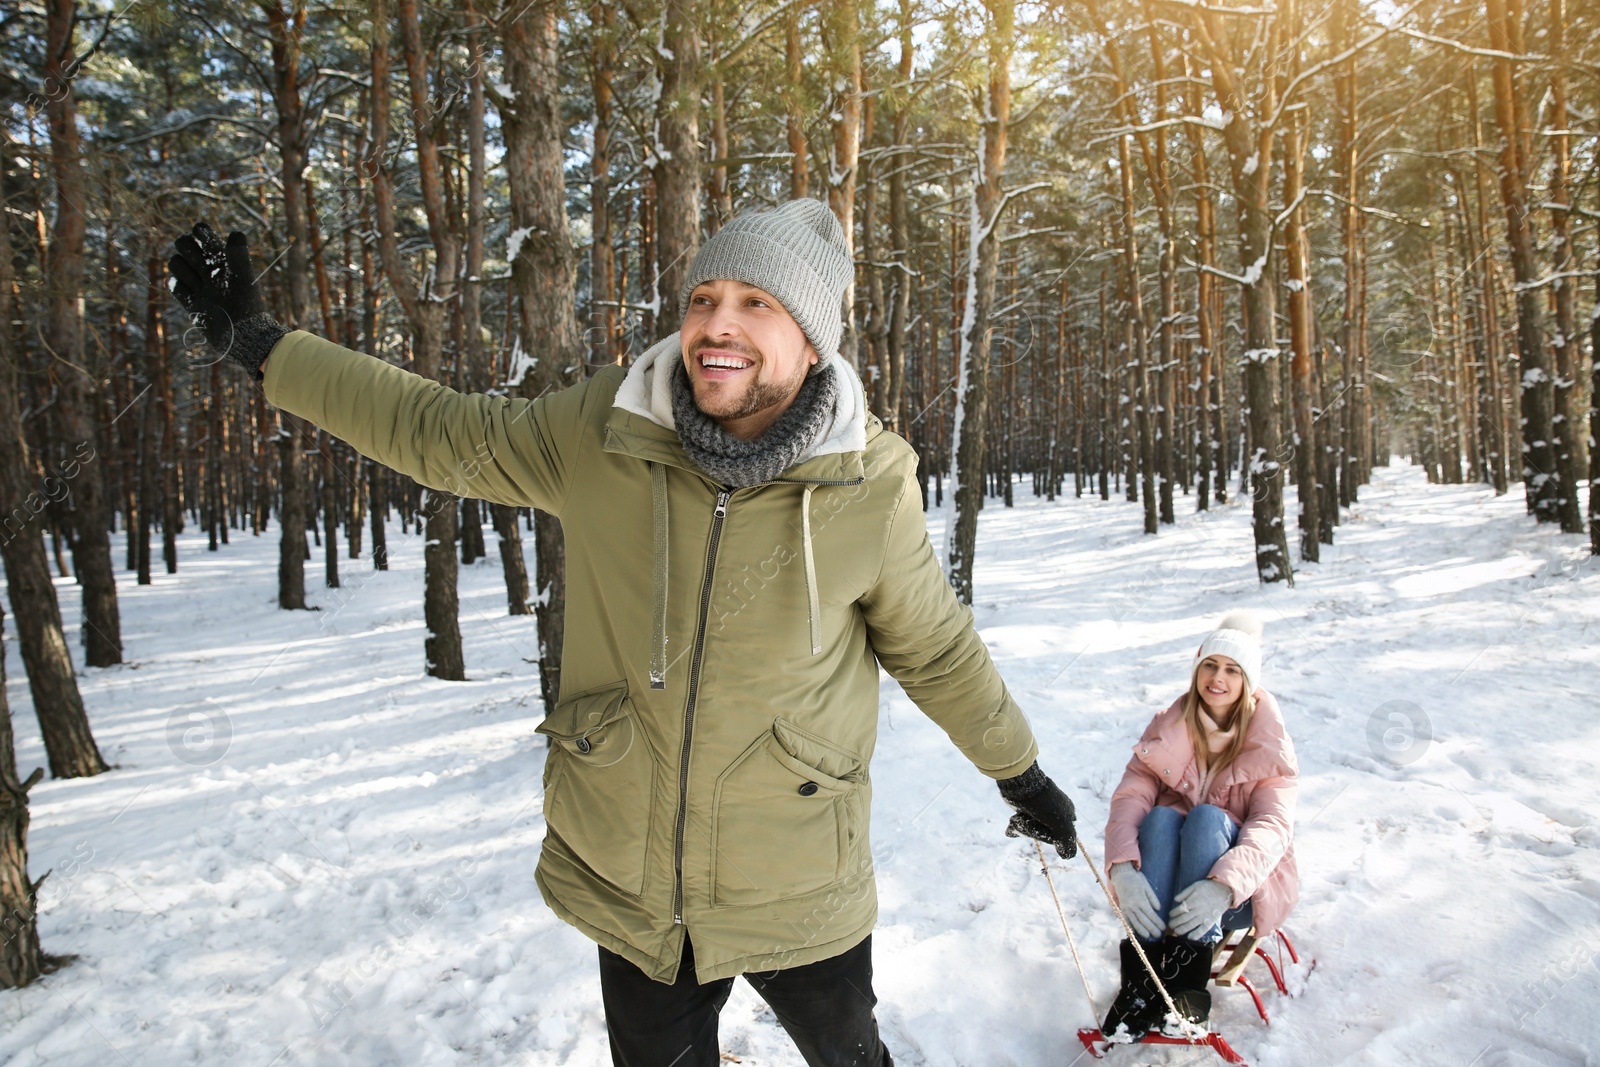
point(1228, 970)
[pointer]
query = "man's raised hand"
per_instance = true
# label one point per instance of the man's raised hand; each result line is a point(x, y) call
point(214, 283)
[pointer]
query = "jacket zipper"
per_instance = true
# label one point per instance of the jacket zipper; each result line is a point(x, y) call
point(717, 516)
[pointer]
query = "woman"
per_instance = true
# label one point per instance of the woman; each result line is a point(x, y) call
point(1200, 838)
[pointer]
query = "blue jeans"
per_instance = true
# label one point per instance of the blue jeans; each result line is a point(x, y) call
point(1177, 850)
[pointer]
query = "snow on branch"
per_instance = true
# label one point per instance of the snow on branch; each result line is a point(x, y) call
point(1039, 231)
point(1367, 209)
point(1283, 215)
point(1540, 283)
point(979, 233)
point(1218, 124)
point(1316, 69)
point(1212, 9)
point(1251, 276)
point(1489, 53)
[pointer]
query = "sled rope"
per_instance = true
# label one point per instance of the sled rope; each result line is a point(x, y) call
point(1189, 1028)
point(1044, 868)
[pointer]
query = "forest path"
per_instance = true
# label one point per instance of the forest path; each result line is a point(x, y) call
point(346, 877)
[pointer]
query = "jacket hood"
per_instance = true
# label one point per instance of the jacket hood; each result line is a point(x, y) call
point(647, 391)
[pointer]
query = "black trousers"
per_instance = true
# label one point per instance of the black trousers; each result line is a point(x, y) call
point(826, 1007)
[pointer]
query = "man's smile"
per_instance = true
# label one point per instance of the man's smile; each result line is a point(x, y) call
point(720, 364)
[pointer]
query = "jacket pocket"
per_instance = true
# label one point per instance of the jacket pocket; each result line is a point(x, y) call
point(782, 825)
point(599, 780)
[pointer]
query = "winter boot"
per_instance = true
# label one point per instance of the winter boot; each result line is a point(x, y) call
point(1186, 972)
point(1138, 1008)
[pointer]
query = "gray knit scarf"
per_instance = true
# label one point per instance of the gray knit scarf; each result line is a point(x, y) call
point(736, 463)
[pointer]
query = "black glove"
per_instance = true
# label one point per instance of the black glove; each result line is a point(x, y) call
point(1044, 812)
point(215, 284)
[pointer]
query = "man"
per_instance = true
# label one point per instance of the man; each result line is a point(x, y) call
point(745, 546)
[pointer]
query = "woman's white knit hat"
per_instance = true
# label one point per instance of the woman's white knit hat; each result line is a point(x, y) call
point(1237, 636)
point(795, 251)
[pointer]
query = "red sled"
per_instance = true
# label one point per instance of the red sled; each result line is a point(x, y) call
point(1236, 954)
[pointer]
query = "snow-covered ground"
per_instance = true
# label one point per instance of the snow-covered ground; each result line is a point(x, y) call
point(309, 853)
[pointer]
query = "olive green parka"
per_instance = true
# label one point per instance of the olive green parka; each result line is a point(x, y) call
point(708, 765)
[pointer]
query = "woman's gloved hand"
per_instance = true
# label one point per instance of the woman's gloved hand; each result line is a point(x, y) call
point(215, 284)
point(1137, 899)
point(1198, 908)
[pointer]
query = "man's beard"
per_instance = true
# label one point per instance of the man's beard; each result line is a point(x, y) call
point(760, 396)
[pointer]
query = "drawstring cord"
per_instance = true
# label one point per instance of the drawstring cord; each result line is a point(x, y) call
point(658, 577)
point(811, 572)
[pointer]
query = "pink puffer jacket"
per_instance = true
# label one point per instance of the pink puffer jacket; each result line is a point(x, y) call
point(1258, 789)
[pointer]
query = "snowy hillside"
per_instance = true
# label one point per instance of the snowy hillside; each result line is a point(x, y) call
point(311, 854)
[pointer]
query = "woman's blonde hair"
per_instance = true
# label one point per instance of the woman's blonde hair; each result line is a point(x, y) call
point(1239, 717)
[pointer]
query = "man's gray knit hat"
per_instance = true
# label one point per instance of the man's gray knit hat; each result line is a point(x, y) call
point(795, 251)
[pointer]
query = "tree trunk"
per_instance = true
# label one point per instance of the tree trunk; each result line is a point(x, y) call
point(214, 457)
point(376, 493)
point(440, 571)
point(330, 512)
point(479, 373)
point(440, 601)
point(21, 960)
point(900, 232)
point(291, 514)
point(605, 296)
point(379, 508)
point(972, 390)
point(1151, 402)
point(721, 193)
point(542, 273)
point(875, 330)
point(1138, 345)
point(1249, 139)
point(675, 153)
point(1563, 265)
point(172, 512)
point(1351, 339)
point(1327, 453)
point(51, 680)
point(1108, 409)
point(425, 311)
point(1167, 265)
point(1594, 415)
point(1491, 413)
point(1297, 250)
point(842, 40)
point(516, 568)
point(153, 356)
point(78, 403)
point(285, 29)
point(1208, 447)
point(1541, 478)
point(794, 115)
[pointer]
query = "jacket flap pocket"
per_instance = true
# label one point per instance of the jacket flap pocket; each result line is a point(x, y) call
point(813, 782)
point(580, 716)
point(825, 756)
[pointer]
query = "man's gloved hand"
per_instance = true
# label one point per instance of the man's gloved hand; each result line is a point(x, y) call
point(1198, 908)
point(215, 284)
point(1043, 812)
point(1138, 900)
